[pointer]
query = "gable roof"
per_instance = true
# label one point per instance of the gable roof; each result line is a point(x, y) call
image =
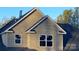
point(13, 22)
point(31, 29)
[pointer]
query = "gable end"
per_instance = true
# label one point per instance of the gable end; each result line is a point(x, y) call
point(31, 29)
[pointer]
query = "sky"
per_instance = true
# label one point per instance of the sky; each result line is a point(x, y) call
point(8, 12)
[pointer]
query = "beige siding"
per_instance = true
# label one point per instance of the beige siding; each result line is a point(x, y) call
point(61, 42)
point(4, 39)
point(31, 40)
point(25, 24)
point(8, 38)
point(46, 28)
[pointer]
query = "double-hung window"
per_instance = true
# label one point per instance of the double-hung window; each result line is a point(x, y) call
point(42, 40)
point(17, 39)
point(46, 40)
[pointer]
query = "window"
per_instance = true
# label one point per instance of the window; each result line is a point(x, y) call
point(42, 40)
point(49, 43)
point(42, 43)
point(49, 40)
point(49, 37)
point(45, 40)
point(42, 37)
point(17, 39)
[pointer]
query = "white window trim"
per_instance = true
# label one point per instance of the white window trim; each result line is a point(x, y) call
point(46, 40)
point(15, 39)
point(43, 40)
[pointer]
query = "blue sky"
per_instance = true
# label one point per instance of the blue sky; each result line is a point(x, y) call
point(53, 12)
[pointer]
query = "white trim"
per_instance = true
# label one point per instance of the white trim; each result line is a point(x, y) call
point(60, 29)
point(35, 25)
point(6, 32)
point(21, 19)
point(30, 32)
point(9, 31)
point(42, 40)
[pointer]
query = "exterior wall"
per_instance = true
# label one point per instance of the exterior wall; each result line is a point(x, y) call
point(4, 39)
point(34, 43)
point(46, 28)
point(8, 38)
point(61, 42)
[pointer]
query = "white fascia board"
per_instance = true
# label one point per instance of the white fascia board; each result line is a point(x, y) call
point(7, 32)
point(60, 29)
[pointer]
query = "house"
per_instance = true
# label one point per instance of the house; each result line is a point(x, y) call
point(33, 30)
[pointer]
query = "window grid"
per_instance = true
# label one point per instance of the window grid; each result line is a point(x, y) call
point(46, 40)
